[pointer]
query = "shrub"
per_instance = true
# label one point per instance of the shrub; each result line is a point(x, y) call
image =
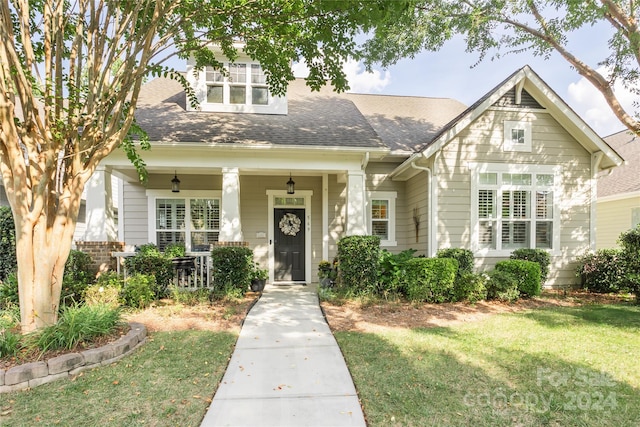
point(174, 250)
point(527, 274)
point(77, 324)
point(231, 267)
point(77, 276)
point(502, 286)
point(9, 291)
point(358, 258)
point(430, 279)
point(463, 256)
point(390, 270)
point(9, 342)
point(106, 290)
point(149, 261)
point(603, 271)
point(470, 287)
point(8, 261)
point(630, 243)
point(189, 297)
point(540, 256)
point(138, 290)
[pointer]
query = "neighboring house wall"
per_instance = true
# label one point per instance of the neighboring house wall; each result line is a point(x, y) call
point(616, 215)
point(481, 143)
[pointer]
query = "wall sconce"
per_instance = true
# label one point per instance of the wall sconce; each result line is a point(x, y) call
point(291, 185)
point(175, 183)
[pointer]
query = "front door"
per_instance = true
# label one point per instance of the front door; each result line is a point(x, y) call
point(289, 242)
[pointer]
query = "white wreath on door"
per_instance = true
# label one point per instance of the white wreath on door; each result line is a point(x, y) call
point(290, 224)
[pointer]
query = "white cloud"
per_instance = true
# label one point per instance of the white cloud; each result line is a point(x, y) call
point(360, 80)
point(589, 103)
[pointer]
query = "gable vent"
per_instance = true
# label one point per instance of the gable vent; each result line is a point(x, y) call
point(509, 100)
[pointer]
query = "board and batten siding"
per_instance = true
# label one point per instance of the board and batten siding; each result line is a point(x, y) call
point(614, 217)
point(482, 142)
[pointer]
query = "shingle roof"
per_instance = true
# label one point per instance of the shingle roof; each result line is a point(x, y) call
point(625, 178)
point(322, 118)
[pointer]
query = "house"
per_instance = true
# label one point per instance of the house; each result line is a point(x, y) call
point(289, 176)
point(618, 206)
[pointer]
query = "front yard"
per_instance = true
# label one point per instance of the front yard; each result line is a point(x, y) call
point(556, 362)
point(559, 364)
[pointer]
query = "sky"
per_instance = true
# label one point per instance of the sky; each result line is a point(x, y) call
point(454, 73)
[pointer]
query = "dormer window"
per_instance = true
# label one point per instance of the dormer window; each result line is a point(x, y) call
point(245, 85)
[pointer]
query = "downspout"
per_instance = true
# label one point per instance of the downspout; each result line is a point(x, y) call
point(596, 159)
point(429, 204)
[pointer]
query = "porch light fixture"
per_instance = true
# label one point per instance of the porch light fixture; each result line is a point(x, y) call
point(175, 183)
point(291, 185)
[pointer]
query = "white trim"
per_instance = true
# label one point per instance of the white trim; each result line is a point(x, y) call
point(307, 194)
point(596, 158)
point(325, 216)
point(620, 196)
point(435, 193)
point(152, 195)
point(476, 168)
point(121, 210)
point(509, 126)
point(391, 197)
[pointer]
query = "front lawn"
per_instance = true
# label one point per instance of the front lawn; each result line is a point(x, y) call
point(169, 381)
point(555, 366)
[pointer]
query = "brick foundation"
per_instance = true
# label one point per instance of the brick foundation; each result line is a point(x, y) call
point(100, 253)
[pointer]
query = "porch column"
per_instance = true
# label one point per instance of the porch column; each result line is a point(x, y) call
point(99, 208)
point(230, 226)
point(356, 202)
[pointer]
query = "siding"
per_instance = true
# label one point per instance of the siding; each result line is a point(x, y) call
point(337, 196)
point(134, 215)
point(482, 142)
point(612, 218)
point(416, 195)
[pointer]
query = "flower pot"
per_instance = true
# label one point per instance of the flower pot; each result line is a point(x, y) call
point(257, 285)
point(325, 282)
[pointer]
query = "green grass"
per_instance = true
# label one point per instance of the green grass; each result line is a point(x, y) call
point(549, 367)
point(169, 381)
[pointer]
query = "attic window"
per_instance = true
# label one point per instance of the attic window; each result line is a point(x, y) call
point(517, 136)
point(244, 85)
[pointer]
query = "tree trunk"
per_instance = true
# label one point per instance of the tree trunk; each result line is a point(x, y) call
point(41, 252)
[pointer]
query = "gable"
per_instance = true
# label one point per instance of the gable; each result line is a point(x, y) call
point(510, 99)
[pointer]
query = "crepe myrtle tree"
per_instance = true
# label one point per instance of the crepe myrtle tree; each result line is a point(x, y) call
point(498, 27)
point(70, 76)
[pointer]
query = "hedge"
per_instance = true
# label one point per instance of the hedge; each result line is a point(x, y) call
point(463, 256)
point(603, 271)
point(527, 274)
point(430, 279)
point(358, 258)
point(231, 267)
point(540, 256)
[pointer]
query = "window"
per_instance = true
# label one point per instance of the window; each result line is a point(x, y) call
point(244, 85)
point(517, 136)
point(382, 206)
point(192, 221)
point(512, 210)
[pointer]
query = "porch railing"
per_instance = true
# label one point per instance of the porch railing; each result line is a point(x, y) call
point(190, 272)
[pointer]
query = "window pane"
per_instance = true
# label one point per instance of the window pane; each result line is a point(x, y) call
point(515, 235)
point(489, 178)
point(515, 204)
point(214, 76)
point(257, 75)
point(544, 234)
point(237, 95)
point(517, 136)
point(259, 96)
point(544, 204)
point(201, 241)
point(165, 238)
point(289, 201)
point(516, 178)
point(486, 203)
point(214, 94)
point(380, 228)
point(170, 214)
point(205, 214)
point(379, 209)
point(238, 73)
point(544, 180)
point(486, 235)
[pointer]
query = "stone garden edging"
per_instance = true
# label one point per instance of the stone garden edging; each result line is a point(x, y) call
point(34, 374)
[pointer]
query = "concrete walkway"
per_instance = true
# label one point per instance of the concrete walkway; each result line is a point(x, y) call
point(286, 369)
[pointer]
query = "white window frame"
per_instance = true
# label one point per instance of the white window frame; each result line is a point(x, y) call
point(509, 127)
point(390, 197)
point(227, 82)
point(187, 195)
point(499, 168)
